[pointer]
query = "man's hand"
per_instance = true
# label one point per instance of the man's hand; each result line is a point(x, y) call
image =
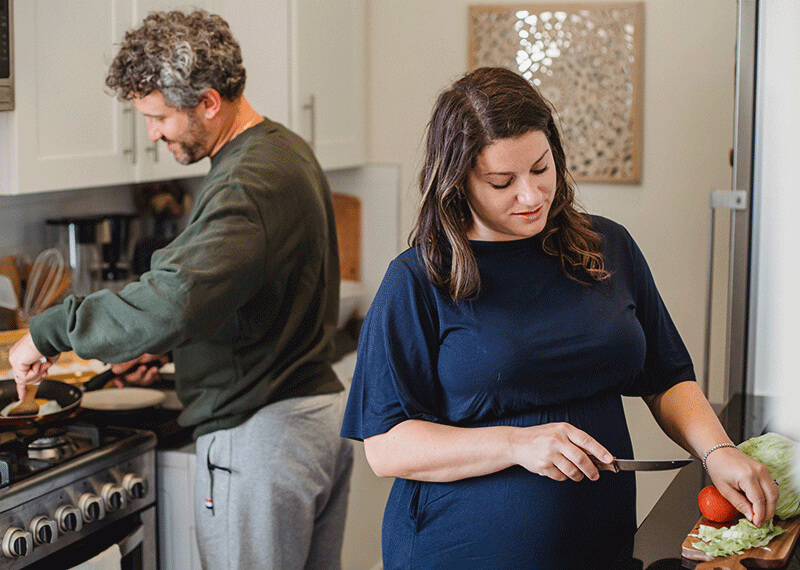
point(141, 371)
point(29, 365)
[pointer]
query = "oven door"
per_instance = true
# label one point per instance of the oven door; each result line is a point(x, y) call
point(135, 536)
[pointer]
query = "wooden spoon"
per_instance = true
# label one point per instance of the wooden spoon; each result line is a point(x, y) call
point(28, 405)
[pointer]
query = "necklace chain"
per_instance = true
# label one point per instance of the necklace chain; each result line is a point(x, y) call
point(248, 124)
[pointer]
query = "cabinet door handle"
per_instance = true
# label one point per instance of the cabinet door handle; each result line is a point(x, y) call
point(311, 107)
point(153, 148)
point(131, 151)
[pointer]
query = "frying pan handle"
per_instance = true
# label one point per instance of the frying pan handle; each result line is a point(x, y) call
point(100, 380)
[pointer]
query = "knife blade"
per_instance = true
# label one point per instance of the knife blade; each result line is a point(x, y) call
point(641, 464)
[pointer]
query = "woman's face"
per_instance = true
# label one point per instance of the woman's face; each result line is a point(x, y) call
point(511, 188)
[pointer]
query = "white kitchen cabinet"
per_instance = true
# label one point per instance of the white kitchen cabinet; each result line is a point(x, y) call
point(328, 80)
point(67, 131)
point(306, 68)
point(305, 63)
point(153, 160)
point(177, 543)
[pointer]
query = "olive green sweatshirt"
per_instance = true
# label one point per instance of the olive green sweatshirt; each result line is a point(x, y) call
point(246, 298)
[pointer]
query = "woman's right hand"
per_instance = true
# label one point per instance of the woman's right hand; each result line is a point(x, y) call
point(559, 451)
point(427, 451)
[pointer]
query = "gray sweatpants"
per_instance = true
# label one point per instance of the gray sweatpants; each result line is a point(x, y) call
point(272, 492)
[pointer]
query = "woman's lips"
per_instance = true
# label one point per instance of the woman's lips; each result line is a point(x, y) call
point(530, 216)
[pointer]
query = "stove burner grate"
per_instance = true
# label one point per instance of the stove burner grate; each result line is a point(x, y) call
point(28, 452)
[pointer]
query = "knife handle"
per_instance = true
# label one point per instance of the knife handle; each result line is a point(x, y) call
point(613, 467)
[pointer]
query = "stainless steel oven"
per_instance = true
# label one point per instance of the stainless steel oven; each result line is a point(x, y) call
point(70, 493)
point(6, 55)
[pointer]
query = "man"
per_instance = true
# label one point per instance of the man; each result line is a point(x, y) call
point(245, 298)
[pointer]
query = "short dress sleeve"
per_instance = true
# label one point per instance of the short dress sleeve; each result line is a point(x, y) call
point(395, 374)
point(667, 361)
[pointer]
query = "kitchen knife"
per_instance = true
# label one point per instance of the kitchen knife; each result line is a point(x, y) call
point(641, 464)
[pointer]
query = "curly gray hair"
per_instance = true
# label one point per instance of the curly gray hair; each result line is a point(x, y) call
point(180, 55)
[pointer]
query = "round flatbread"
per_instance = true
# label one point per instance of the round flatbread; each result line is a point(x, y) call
point(120, 399)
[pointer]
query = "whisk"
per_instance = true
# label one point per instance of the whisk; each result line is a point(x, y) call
point(47, 268)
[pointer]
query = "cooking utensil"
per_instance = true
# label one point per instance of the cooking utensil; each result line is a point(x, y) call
point(775, 555)
point(27, 405)
point(43, 282)
point(9, 268)
point(8, 297)
point(67, 396)
point(641, 464)
point(59, 288)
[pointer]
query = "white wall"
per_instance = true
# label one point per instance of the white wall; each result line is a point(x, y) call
point(777, 233)
point(417, 47)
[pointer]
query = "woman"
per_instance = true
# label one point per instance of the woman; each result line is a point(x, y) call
point(492, 362)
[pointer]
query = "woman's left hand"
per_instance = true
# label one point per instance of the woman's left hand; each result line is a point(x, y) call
point(745, 482)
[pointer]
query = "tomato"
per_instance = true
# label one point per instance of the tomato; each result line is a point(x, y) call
point(714, 506)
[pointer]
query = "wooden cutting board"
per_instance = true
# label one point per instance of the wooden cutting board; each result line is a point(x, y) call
point(780, 549)
point(347, 210)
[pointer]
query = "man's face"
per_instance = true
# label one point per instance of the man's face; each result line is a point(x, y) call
point(182, 129)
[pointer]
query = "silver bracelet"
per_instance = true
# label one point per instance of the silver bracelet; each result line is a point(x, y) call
point(716, 447)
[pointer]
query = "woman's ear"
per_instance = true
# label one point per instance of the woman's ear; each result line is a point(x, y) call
point(210, 103)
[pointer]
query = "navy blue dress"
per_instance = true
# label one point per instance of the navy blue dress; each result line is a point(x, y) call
point(534, 347)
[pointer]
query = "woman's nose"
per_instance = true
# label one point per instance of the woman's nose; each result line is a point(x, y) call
point(529, 193)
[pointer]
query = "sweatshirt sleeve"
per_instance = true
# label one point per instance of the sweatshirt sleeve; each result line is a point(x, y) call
point(395, 378)
point(208, 271)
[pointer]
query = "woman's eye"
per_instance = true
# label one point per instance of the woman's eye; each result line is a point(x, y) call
point(540, 171)
point(501, 186)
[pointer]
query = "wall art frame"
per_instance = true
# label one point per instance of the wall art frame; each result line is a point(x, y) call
point(587, 60)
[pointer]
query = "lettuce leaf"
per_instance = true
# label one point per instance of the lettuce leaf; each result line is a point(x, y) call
point(735, 539)
point(779, 454)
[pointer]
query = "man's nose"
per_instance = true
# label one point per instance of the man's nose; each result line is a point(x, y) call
point(153, 133)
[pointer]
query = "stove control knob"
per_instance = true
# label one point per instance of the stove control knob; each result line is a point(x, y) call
point(69, 518)
point(17, 542)
point(114, 497)
point(44, 530)
point(135, 485)
point(91, 507)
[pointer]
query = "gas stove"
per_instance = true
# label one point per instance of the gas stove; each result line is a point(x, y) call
point(69, 492)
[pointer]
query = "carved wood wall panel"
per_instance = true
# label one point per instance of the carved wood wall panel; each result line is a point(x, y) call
point(586, 59)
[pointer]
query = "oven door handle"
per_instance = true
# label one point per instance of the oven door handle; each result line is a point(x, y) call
point(132, 541)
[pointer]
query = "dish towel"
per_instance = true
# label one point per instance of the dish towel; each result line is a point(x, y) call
point(109, 559)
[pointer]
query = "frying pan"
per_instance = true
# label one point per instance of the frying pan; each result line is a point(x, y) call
point(67, 396)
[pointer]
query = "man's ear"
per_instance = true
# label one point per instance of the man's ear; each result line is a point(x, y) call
point(210, 104)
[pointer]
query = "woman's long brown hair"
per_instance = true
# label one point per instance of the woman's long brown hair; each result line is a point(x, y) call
point(486, 105)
